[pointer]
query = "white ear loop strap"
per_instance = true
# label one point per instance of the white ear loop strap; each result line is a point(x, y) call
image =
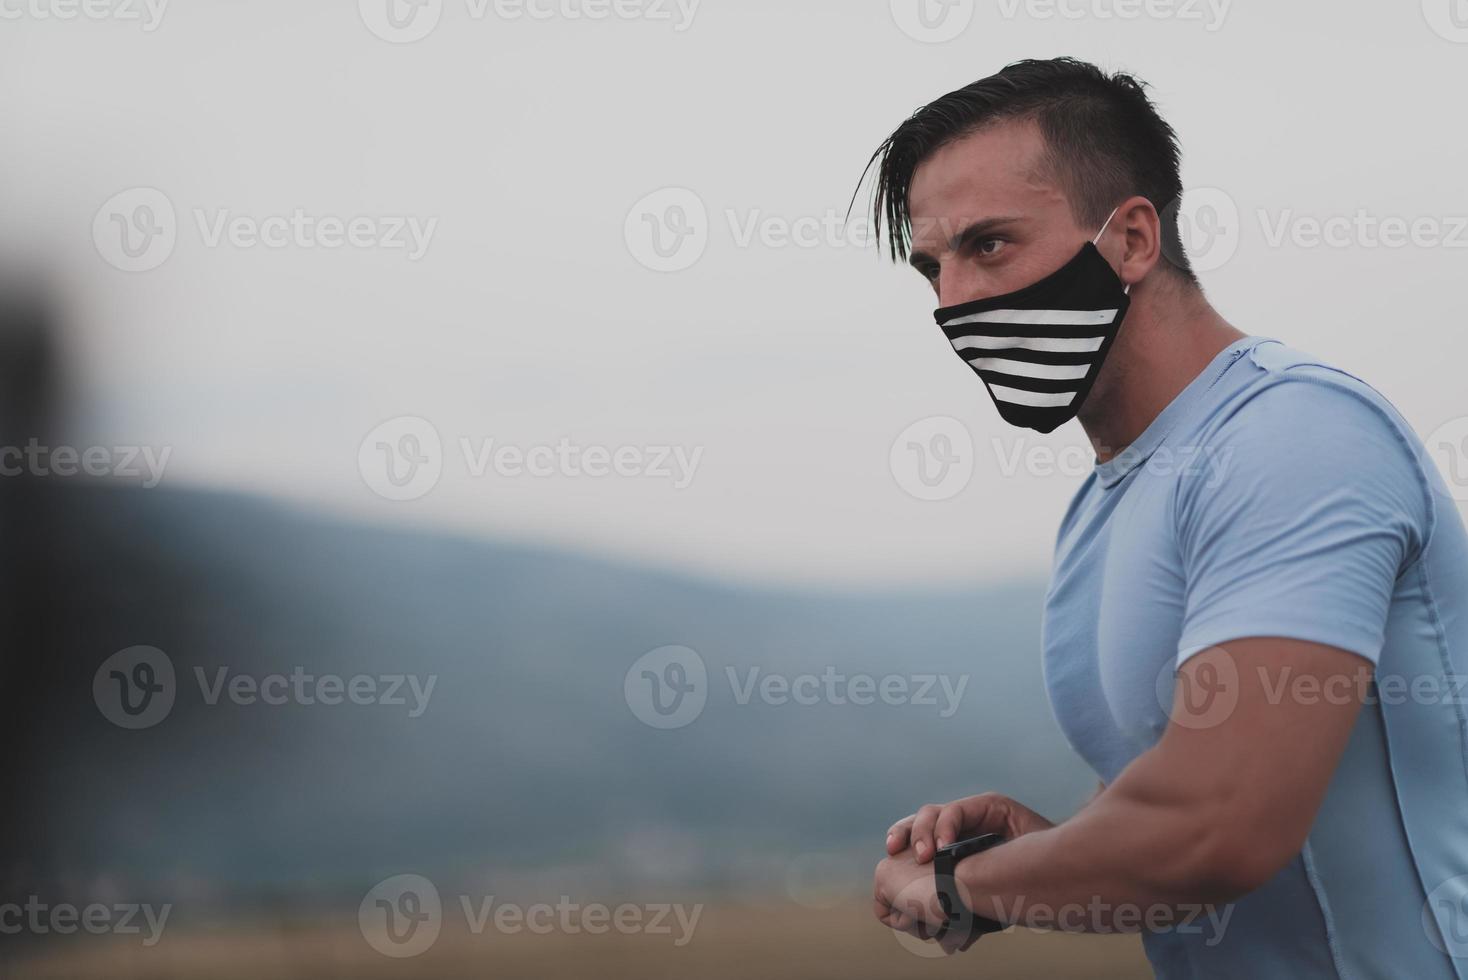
point(1128, 287)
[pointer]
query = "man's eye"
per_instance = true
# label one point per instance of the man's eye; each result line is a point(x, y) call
point(929, 272)
point(988, 246)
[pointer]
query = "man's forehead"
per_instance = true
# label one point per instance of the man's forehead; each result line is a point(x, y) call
point(998, 169)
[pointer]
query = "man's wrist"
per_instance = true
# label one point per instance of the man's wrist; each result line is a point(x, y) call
point(959, 916)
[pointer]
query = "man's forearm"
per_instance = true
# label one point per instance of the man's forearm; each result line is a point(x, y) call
point(1133, 855)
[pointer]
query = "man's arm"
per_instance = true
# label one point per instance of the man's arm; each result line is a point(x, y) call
point(1214, 810)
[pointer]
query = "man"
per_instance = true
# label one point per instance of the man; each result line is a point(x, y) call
point(1257, 627)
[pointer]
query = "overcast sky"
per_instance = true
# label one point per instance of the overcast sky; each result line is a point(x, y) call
point(622, 234)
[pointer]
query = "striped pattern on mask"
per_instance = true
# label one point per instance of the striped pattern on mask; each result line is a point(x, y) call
point(1033, 358)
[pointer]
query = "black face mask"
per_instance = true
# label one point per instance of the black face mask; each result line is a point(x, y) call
point(1038, 350)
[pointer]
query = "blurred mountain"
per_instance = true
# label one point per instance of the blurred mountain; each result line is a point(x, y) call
point(527, 755)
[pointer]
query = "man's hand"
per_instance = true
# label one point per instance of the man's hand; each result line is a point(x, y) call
point(938, 825)
point(905, 897)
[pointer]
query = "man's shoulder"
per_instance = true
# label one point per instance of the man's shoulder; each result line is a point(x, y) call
point(1284, 396)
point(1295, 434)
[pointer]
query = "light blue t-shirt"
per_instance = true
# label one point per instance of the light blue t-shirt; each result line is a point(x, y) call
point(1278, 496)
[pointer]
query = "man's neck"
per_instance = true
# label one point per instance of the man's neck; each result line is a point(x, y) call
point(1168, 338)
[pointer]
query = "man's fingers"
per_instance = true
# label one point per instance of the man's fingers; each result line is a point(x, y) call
point(951, 825)
point(951, 943)
point(936, 826)
point(922, 832)
point(897, 835)
point(986, 813)
point(896, 918)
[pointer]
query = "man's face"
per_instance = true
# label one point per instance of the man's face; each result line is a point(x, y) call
point(986, 219)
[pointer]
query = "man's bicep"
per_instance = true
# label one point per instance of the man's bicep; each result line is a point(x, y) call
point(1257, 729)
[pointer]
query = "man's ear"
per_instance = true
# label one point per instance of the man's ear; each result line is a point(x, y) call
point(1137, 239)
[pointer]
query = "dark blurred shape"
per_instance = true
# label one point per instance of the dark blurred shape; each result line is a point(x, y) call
point(27, 410)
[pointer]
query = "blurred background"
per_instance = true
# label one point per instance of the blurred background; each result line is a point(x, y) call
point(459, 457)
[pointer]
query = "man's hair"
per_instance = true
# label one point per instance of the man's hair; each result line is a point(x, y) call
point(1104, 142)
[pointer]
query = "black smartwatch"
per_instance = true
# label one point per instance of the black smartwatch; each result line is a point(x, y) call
point(959, 918)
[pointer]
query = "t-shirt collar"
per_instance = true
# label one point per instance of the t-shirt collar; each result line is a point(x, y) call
point(1117, 467)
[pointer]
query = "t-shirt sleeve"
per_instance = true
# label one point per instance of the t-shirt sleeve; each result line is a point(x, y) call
point(1312, 505)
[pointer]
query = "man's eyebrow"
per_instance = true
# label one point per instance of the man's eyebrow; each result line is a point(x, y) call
point(976, 229)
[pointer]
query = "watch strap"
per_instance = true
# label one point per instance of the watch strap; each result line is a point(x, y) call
point(958, 916)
